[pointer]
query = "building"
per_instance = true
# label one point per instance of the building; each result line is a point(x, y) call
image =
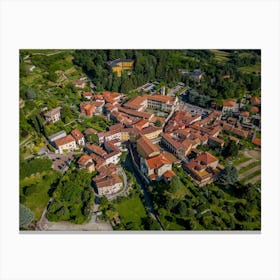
point(53, 115)
point(87, 108)
point(108, 136)
point(138, 103)
point(229, 107)
point(87, 95)
point(203, 169)
point(96, 150)
point(155, 167)
point(79, 137)
point(87, 163)
point(215, 142)
point(56, 136)
point(120, 65)
point(109, 186)
point(111, 97)
point(66, 144)
point(146, 148)
point(255, 101)
point(80, 84)
point(179, 148)
point(151, 132)
point(161, 102)
point(107, 181)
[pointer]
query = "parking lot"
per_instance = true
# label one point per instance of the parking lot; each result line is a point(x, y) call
point(194, 110)
point(61, 162)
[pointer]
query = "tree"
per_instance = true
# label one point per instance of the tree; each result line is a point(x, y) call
point(158, 123)
point(182, 208)
point(229, 175)
point(230, 150)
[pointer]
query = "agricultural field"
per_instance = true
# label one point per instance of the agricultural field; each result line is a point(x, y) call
point(251, 69)
point(221, 56)
point(249, 166)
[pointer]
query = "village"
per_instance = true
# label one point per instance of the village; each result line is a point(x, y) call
point(155, 142)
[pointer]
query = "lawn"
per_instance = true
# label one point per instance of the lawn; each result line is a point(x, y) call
point(250, 69)
point(240, 159)
point(249, 177)
point(38, 200)
point(250, 166)
point(131, 210)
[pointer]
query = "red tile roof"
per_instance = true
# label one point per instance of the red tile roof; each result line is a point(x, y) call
point(90, 131)
point(83, 160)
point(157, 161)
point(256, 141)
point(255, 109)
point(76, 133)
point(229, 103)
point(64, 140)
point(147, 145)
point(203, 159)
point(255, 100)
point(168, 174)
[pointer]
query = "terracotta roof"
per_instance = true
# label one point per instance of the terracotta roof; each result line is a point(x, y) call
point(111, 181)
point(140, 114)
point(116, 127)
point(87, 93)
point(64, 140)
point(255, 100)
point(245, 114)
point(150, 129)
point(96, 149)
point(76, 133)
point(215, 139)
point(171, 141)
point(90, 131)
point(136, 102)
point(255, 109)
point(142, 123)
point(83, 160)
point(256, 141)
point(168, 174)
point(160, 98)
point(147, 145)
point(203, 159)
point(98, 97)
point(229, 103)
point(157, 161)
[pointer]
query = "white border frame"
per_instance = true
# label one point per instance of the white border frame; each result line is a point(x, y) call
point(135, 24)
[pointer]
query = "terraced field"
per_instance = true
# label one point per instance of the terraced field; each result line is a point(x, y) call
point(249, 168)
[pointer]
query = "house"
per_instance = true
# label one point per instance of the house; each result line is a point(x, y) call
point(67, 143)
point(215, 142)
point(53, 115)
point(244, 116)
point(107, 181)
point(255, 101)
point(255, 109)
point(120, 65)
point(108, 136)
point(203, 169)
point(146, 148)
point(88, 95)
point(196, 74)
point(87, 108)
point(155, 167)
point(79, 137)
point(256, 141)
point(151, 132)
point(161, 102)
point(109, 186)
point(79, 84)
point(96, 150)
point(113, 157)
point(87, 163)
point(56, 136)
point(111, 97)
point(229, 107)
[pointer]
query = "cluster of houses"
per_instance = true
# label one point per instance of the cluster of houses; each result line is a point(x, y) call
point(156, 146)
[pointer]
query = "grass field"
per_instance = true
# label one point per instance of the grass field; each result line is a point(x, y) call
point(241, 158)
point(131, 210)
point(252, 175)
point(250, 69)
point(250, 166)
point(221, 56)
point(38, 200)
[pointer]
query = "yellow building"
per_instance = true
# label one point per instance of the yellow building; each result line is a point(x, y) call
point(151, 132)
point(120, 65)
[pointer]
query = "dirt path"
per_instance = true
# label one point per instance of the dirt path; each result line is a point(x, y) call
point(250, 171)
point(255, 154)
point(255, 179)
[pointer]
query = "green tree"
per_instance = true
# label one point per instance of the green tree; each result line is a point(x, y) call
point(229, 175)
point(158, 123)
point(230, 150)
